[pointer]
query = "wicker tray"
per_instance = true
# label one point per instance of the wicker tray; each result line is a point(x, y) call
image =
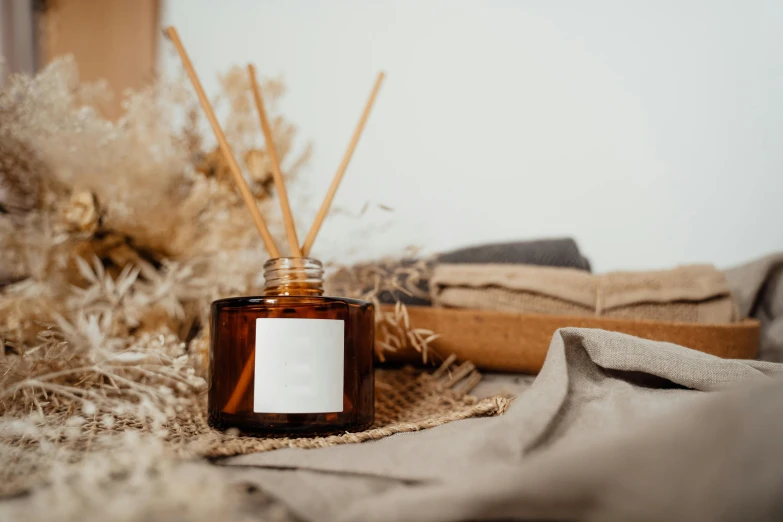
point(516, 342)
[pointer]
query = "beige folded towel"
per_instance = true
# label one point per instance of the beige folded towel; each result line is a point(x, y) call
point(696, 293)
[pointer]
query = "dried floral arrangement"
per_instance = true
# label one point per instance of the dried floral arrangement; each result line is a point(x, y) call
point(114, 238)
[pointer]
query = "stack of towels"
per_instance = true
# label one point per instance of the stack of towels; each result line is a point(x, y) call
point(552, 276)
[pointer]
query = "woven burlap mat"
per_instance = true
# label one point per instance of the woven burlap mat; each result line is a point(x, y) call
point(406, 400)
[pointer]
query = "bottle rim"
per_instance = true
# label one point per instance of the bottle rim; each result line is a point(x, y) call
point(293, 276)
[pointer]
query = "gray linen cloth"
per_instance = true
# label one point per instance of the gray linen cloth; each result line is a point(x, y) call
point(613, 428)
point(757, 288)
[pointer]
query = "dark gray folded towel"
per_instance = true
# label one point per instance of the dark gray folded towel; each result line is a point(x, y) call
point(563, 253)
point(542, 252)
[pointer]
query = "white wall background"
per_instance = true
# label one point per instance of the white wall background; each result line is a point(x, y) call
point(652, 132)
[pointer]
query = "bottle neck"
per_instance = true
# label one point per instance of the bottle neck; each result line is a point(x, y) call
point(293, 276)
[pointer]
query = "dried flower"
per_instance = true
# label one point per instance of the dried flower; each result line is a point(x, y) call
point(99, 302)
point(259, 166)
point(80, 214)
point(104, 307)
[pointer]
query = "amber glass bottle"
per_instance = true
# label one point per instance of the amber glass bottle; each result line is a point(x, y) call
point(292, 362)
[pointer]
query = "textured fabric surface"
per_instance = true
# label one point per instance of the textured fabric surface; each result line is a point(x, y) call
point(406, 400)
point(611, 426)
point(696, 294)
point(758, 289)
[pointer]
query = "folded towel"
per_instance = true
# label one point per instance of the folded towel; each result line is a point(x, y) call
point(412, 276)
point(561, 252)
point(697, 293)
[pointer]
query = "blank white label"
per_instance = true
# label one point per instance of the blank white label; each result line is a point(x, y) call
point(299, 365)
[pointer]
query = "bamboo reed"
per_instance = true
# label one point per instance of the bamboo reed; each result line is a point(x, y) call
point(357, 133)
point(282, 194)
point(225, 148)
point(247, 371)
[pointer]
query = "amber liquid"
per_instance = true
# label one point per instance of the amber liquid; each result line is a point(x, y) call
point(233, 345)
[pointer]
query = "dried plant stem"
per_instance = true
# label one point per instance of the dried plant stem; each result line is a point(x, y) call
point(54, 375)
point(84, 373)
point(57, 389)
point(131, 384)
point(156, 373)
point(225, 148)
point(357, 133)
point(282, 194)
point(148, 373)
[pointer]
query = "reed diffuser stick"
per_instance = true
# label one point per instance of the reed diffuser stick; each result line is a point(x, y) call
point(242, 384)
point(225, 148)
point(244, 378)
point(357, 133)
point(282, 194)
